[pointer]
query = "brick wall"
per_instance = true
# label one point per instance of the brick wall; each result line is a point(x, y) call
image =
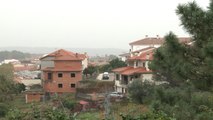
point(33, 97)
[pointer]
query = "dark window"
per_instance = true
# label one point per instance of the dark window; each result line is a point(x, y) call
point(144, 64)
point(60, 85)
point(72, 74)
point(60, 75)
point(72, 85)
point(117, 77)
point(49, 76)
point(136, 64)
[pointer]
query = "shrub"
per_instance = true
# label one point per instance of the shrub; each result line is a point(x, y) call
point(140, 91)
point(3, 109)
point(70, 104)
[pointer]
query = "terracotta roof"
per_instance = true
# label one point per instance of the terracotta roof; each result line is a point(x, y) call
point(147, 55)
point(144, 49)
point(121, 69)
point(65, 55)
point(135, 70)
point(64, 69)
point(157, 41)
point(131, 70)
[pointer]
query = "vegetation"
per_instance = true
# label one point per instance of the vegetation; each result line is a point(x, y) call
point(187, 69)
point(115, 63)
point(13, 55)
point(176, 63)
point(139, 90)
point(7, 87)
point(90, 70)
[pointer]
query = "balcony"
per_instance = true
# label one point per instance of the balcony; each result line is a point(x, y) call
point(124, 82)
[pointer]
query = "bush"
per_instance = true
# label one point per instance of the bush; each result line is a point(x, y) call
point(3, 109)
point(140, 91)
point(15, 114)
point(70, 104)
point(202, 98)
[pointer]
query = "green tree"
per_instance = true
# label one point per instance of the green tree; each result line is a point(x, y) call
point(176, 62)
point(199, 23)
point(139, 90)
point(115, 63)
point(90, 70)
point(168, 62)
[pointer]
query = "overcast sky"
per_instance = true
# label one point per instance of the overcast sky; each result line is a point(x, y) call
point(86, 23)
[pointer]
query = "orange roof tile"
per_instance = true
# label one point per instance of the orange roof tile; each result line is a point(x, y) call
point(65, 55)
point(65, 69)
point(131, 70)
point(157, 41)
point(121, 69)
point(135, 70)
point(148, 55)
point(144, 49)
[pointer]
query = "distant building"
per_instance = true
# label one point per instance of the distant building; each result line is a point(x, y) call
point(153, 42)
point(12, 61)
point(62, 70)
point(124, 56)
point(150, 42)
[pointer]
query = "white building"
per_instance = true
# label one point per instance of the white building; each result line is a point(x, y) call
point(137, 69)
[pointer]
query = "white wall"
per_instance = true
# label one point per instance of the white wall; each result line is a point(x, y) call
point(138, 47)
point(85, 63)
point(147, 77)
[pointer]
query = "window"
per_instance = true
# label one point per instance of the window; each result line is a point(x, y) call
point(60, 85)
point(117, 77)
point(72, 74)
point(72, 85)
point(136, 64)
point(49, 76)
point(143, 64)
point(60, 75)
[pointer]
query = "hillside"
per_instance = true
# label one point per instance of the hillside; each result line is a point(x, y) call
point(15, 55)
point(45, 50)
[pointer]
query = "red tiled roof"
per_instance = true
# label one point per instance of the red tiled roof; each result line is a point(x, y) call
point(131, 70)
point(157, 41)
point(135, 70)
point(121, 69)
point(65, 69)
point(65, 55)
point(147, 55)
point(144, 49)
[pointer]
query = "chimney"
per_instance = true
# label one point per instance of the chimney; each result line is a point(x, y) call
point(146, 36)
point(157, 36)
point(76, 54)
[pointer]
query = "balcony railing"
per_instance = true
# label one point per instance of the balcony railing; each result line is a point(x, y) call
point(124, 82)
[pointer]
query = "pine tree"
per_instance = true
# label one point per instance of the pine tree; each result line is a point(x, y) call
point(199, 23)
point(175, 62)
point(168, 61)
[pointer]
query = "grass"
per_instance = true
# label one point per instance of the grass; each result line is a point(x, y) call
point(89, 116)
point(127, 108)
